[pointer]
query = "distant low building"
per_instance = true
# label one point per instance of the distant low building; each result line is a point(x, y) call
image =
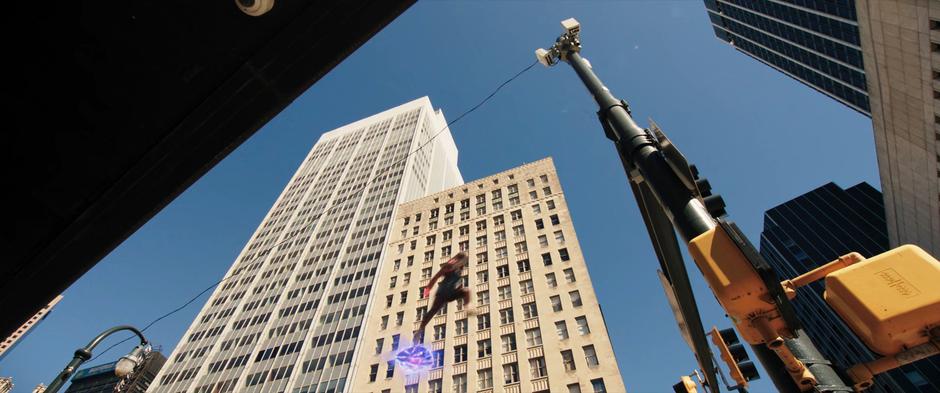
point(6, 384)
point(101, 378)
point(27, 326)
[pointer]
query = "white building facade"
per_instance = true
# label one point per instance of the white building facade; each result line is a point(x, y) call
point(289, 314)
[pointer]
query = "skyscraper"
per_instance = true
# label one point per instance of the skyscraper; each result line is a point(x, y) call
point(878, 58)
point(816, 228)
point(539, 326)
point(7, 344)
point(813, 41)
point(297, 294)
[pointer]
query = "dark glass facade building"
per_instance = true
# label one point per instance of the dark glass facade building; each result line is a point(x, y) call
point(813, 41)
point(818, 227)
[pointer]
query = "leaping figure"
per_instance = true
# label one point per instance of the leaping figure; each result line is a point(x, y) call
point(449, 290)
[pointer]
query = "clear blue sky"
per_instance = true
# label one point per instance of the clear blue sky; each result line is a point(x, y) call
point(760, 137)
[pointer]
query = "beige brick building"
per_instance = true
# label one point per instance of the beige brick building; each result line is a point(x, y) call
point(539, 327)
point(900, 41)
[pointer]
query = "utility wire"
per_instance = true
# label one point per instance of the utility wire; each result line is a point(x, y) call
point(431, 139)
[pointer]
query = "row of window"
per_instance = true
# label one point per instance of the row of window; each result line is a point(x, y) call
point(537, 368)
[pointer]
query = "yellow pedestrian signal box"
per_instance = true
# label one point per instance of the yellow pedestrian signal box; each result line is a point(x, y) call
point(889, 300)
point(685, 385)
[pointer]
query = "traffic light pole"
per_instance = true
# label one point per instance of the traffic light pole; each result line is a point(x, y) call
point(639, 150)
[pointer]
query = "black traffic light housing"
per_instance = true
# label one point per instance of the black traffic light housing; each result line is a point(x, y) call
point(713, 202)
point(734, 354)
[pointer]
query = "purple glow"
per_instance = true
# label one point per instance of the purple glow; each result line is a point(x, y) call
point(415, 359)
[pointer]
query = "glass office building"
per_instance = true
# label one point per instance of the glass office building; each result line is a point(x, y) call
point(813, 41)
point(818, 227)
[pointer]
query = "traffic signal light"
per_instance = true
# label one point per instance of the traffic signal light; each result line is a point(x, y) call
point(685, 385)
point(713, 202)
point(732, 351)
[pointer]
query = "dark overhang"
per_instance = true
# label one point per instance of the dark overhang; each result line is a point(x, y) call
point(116, 107)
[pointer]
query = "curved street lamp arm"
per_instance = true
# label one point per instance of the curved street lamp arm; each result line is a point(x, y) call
point(83, 354)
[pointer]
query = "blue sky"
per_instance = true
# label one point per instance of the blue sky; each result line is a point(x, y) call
point(760, 137)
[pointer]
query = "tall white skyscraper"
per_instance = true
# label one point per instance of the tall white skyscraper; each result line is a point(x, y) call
point(289, 314)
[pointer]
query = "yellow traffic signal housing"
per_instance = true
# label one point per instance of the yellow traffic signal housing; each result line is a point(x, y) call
point(737, 286)
point(685, 385)
point(889, 300)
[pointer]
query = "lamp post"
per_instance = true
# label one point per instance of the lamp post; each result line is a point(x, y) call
point(125, 365)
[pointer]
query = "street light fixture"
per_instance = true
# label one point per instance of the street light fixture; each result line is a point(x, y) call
point(124, 366)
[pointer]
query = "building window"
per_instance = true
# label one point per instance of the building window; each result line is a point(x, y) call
point(521, 248)
point(554, 218)
point(563, 253)
point(550, 280)
point(516, 215)
point(583, 327)
point(569, 275)
point(533, 337)
point(378, 345)
point(464, 230)
point(567, 358)
point(485, 378)
point(388, 300)
point(539, 224)
point(562, 329)
point(523, 265)
point(373, 372)
point(481, 241)
point(537, 365)
point(574, 388)
point(483, 276)
point(483, 321)
point(404, 297)
point(461, 327)
point(530, 182)
point(510, 373)
point(502, 271)
point(547, 259)
point(533, 195)
point(505, 316)
point(400, 316)
point(529, 310)
point(390, 370)
point(526, 287)
point(536, 209)
point(590, 356)
point(505, 292)
point(556, 303)
point(393, 282)
point(575, 298)
point(483, 297)
point(509, 342)
point(482, 258)
point(460, 383)
point(499, 220)
point(434, 386)
point(437, 359)
point(543, 241)
point(598, 385)
point(411, 388)
point(460, 353)
point(550, 204)
point(384, 322)
point(518, 231)
point(440, 331)
point(501, 252)
point(448, 235)
point(484, 348)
